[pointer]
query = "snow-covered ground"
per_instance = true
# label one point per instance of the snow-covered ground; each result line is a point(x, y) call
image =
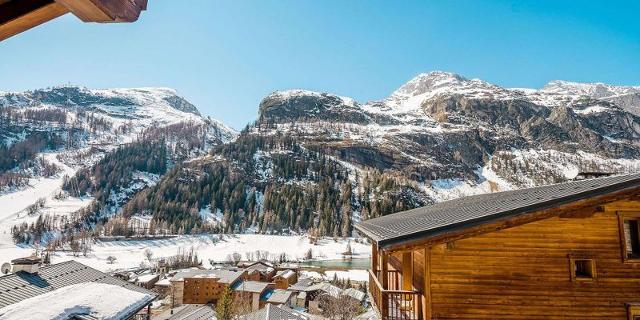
point(130, 254)
point(13, 205)
point(353, 275)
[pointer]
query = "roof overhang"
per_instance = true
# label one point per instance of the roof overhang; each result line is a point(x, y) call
point(17, 16)
point(502, 220)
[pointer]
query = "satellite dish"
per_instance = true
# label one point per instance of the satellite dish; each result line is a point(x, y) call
point(6, 267)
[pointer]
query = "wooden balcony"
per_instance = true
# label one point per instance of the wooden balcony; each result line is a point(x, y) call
point(391, 302)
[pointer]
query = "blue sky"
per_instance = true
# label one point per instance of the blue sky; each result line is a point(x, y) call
point(224, 56)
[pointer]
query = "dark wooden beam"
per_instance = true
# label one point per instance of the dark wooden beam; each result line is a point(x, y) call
point(105, 10)
point(20, 15)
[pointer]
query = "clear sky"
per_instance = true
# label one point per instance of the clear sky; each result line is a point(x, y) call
point(224, 56)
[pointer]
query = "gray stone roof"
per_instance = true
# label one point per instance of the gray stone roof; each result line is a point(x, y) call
point(251, 286)
point(280, 296)
point(21, 285)
point(274, 312)
point(479, 209)
point(224, 276)
point(285, 273)
point(190, 312)
point(302, 284)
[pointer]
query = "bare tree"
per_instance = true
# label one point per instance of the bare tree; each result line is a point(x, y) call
point(341, 308)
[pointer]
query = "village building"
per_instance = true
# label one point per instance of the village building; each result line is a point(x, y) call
point(254, 293)
point(68, 290)
point(202, 286)
point(147, 280)
point(260, 270)
point(300, 289)
point(561, 251)
point(285, 278)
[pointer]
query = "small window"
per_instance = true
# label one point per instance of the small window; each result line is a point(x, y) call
point(632, 238)
point(582, 269)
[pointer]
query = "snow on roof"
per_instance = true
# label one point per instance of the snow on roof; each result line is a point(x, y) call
point(251, 286)
point(280, 296)
point(285, 274)
point(98, 300)
point(224, 276)
point(326, 288)
point(146, 278)
point(354, 293)
point(275, 312)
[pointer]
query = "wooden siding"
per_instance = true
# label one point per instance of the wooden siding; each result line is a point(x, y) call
point(524, 272)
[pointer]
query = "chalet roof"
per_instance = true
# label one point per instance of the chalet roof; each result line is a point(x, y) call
point(302, 284)
point(274, 312)
point(223, 276)
point(285, 273)
point(251, 286)
point(19, 15)
point(190, 312)
point(280, 296)
point(354, 293)
point(21, 285)
point(475, 210)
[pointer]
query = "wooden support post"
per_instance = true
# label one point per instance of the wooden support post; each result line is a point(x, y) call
point(384, 270)
point(374, 258)
point(407, 270)
point(426, 294)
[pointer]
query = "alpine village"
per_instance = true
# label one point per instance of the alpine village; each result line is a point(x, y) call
point(453, 198)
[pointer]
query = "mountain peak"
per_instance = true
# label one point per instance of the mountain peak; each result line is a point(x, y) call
point(426, 82)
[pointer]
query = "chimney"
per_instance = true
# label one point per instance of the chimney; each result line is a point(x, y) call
point(28, 264)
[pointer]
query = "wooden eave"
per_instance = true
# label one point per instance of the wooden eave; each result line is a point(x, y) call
point(17, 16)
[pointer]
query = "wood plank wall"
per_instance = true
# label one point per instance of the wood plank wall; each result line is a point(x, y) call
point(524, 272)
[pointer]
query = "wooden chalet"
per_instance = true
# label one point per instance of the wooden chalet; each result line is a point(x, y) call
point(564, 251)
point(17, 16)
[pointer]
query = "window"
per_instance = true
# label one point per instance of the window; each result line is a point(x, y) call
point(633, 310)
point(582, 268)
point(632, 238)
point(629, 223)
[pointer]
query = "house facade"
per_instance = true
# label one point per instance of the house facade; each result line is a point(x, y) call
point(563, 251)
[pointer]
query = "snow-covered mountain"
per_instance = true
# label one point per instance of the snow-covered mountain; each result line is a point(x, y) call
point(319, 161)
point(120, 140)
point(441, 125)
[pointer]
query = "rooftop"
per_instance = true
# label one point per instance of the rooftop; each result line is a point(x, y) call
point(486, 208)
point(19, 286)
point(189, 312)
point(90, 299)
point(274, 312)
point(280, 296)
point(251, 286)
point(285, 273)
point(224, 276)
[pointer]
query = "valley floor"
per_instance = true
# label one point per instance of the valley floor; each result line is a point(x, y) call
point(210, 248)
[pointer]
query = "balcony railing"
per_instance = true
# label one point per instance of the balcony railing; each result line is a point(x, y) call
point(391, 302)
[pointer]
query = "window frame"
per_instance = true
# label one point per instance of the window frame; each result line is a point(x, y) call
point(622, 216)
point(572, 267)
point(633, 310)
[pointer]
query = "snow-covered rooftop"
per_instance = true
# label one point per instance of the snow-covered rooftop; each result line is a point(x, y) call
point(98, 300)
